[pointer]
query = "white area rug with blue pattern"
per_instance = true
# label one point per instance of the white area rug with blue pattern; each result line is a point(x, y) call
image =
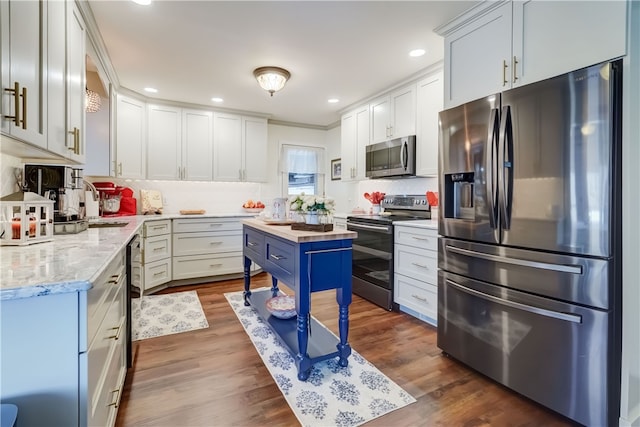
point(157, 315)
point(333, 395)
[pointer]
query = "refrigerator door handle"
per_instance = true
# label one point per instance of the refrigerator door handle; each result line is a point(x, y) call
point(574, 318)
point(573, 269)
point(505, 166)
point(490, 173)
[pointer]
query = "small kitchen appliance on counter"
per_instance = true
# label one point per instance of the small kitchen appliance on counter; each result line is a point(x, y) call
point(115, 200)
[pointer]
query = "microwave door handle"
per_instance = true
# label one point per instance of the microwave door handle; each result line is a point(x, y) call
point(404, 154)
point(490, 173)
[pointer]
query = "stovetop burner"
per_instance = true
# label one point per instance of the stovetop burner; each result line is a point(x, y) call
point(397, 208)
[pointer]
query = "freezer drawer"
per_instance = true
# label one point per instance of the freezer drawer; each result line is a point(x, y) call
point(580, 280)
point(552, 352)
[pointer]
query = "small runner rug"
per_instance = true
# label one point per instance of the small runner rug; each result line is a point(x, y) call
point(157, 315)
point(332, 395)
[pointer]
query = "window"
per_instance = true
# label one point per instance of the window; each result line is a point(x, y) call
point(302, 169)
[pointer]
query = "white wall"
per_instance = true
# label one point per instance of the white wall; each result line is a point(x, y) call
point(9, 165)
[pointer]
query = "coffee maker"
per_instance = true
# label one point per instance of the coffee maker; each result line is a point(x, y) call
point(64, 185)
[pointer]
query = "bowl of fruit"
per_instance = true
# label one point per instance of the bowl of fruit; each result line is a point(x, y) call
point(253, 207)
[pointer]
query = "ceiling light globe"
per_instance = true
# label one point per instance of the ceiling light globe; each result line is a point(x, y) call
point(271, 79)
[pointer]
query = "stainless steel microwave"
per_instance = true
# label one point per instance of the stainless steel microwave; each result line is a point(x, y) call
point(393, 158)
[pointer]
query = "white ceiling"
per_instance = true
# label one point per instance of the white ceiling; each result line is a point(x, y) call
point(192, 51)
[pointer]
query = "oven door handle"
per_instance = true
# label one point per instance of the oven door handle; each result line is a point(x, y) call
point(382, 228)
point(574, 318)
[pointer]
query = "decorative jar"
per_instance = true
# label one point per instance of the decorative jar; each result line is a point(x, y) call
point(25, 218)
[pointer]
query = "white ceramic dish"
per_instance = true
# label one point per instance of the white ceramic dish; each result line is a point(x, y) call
point(282, 306)
point(253, 210)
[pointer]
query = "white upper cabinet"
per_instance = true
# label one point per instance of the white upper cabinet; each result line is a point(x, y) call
point(66, 81)
point(506, 44)
point(130, 138)
point(23, 44)
point(429, 104)
point(239, 148)
point(197, 145)
point(394, 115)
point(164, 147)
point(354, 138)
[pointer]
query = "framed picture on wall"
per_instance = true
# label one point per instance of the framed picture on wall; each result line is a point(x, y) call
point(336, 169)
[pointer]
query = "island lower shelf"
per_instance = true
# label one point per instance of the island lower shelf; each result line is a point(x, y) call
point(322, 343)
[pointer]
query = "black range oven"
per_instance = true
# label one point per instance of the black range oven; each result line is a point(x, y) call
point(372, 267)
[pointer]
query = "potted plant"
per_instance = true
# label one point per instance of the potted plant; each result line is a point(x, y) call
point(315, 209)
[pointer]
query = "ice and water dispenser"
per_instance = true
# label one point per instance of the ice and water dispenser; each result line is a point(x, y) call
point(459, 195)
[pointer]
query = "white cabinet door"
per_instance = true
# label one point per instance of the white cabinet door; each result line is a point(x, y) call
point(476, 57)
point(197, 145)
point(362, 140)
point(394, 115)
point(227, 147)
point(23, 28)
point(76, 84)
point(347, 144)
point(130, 138)
point(56, 78)
point(429, 104)
point(255, 149)
point(164, 147)
point(553, 38)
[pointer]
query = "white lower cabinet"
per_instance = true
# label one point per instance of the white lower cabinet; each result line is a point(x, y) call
point(155, 266)
point(340, 223)
point(204, 247)
point(416, 271)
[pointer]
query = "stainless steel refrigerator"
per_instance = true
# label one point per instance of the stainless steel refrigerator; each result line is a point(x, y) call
point(529, 284)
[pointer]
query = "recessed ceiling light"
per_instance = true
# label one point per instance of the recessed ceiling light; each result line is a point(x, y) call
point(417, 52)
point(217, 99)
point(333, 100)
point(142, 2)
point(151, 90)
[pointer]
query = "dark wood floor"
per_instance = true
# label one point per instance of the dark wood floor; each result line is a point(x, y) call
point(214, 376)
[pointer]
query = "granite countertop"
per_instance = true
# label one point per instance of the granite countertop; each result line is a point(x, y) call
point(299, 236)
point(431, 224)
point(71, 262)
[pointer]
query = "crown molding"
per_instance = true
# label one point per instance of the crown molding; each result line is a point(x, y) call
point(468, 16)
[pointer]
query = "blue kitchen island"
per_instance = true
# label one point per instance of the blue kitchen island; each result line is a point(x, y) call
point(307, 262)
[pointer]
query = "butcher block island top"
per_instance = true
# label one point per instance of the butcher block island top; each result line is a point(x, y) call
point(299, 236)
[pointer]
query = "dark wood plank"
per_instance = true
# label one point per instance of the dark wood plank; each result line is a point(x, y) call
point(214, 376)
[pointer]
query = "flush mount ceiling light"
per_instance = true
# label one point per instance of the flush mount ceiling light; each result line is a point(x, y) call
point(271, 79)
point(93, 101)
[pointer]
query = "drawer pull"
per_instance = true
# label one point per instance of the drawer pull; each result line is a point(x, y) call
point(215, 243)
point(117, 335)
point(215, 224)
point(421, 238)
point(114, 279)
point(159, 249)
point(419, 298)
point(115, 404)
point(420, 265)
point(159, 227)
point(252, 244)
point(215, 265)
point(160, 273)
point(277, 257)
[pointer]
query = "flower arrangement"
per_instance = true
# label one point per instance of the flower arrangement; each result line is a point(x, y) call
point(310, 203)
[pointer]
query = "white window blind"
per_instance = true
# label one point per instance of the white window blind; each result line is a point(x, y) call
point(302, 159)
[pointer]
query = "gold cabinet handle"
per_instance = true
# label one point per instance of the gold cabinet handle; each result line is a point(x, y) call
point(504, 72)
point(115, 404)
point(515, 73)
point(117, 335)
point(16, 103)
point(120, 169)
point(24, 108)
point(76, 140)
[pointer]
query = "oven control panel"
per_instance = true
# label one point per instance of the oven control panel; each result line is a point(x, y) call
point(407, 202)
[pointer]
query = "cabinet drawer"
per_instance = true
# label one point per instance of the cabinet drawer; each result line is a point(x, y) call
point(280, 259)
point(253, 245)
point(100, 296)
point(157, 273)
point(157, 228)
point(417, 237)
point(103, 403)
point(206, 224)
point(110, 334)
point(418, 263)
point(157, 247)
point(187, 267)
point(416, 295)
point(206, 243)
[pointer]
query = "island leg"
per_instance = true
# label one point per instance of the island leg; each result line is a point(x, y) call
point(274, 286)
point(247, 280)
point(344, 349)
point(303, 363)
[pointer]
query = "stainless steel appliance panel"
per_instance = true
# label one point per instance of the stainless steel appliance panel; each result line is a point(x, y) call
point(468, 140)
point(556, 148)
point(575, 279)
point(393, 158)
point(549, 351)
